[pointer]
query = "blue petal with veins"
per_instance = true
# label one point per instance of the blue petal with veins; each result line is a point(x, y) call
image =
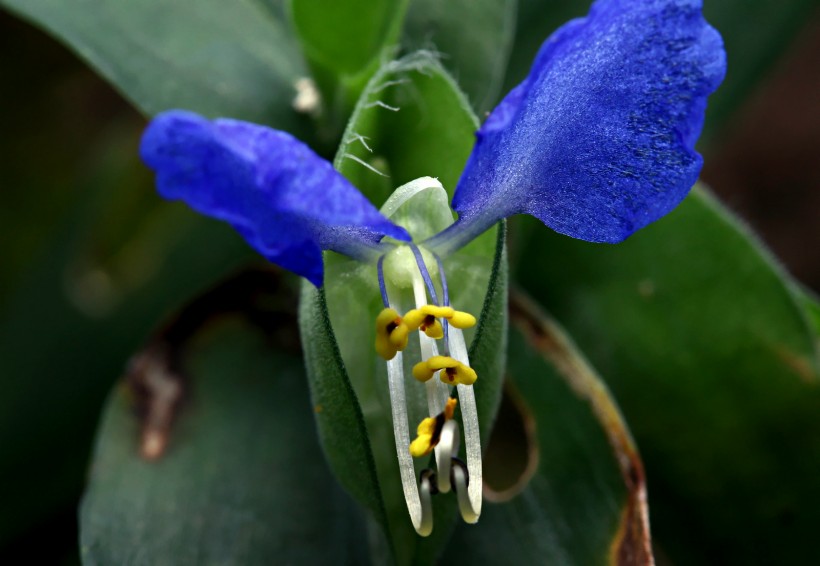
point(598, 141)
point(286, 201)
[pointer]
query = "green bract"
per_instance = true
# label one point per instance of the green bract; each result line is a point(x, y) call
point(348, 382)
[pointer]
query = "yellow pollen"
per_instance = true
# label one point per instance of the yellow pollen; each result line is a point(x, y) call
point(423, 443)
point(462, 319)
point(452, 371)
point(428, 432)
point(450, 408)
point(391, 333)
point(425, 318)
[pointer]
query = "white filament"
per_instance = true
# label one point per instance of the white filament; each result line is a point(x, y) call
point(472, 438)
point(465, 503)
point(437, 392)
point(448, 444)
point(418, 496)
point(401, 434)
point(426, 526)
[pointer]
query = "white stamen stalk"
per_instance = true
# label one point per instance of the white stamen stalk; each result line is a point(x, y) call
point(448, 445)
point(422, 521)
point(437, 392)
point(472, 438)
point(426, 488)
point(465, 505)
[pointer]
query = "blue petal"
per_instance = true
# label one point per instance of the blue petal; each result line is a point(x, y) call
point(286, 201)
point(598, 141)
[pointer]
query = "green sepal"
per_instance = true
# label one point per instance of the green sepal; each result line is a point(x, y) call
point(337, 321)
point(478, 57)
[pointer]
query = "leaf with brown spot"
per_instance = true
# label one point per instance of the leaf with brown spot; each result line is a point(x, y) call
point(242, 479)
point(716, 370)
point(585, 501)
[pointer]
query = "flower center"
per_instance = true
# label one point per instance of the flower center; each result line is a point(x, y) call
point(406, 267)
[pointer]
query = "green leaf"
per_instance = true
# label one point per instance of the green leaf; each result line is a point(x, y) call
point(411, 121)
point(755, 33)
point(242, 481)
point(564, 482)
point(344, 44)
point(474, 37)
point(812, 306)
point(110, 266)
point(415, 123)
point(346, 36)
point(218, 58)
point(702, 338)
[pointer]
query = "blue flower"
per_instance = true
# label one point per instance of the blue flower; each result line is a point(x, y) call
point(597, 142)
point(286, 201)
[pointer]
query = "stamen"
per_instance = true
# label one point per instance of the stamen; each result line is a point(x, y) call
point(466, 502)
point(472, 438)
point(448, 448)
point(391, 333)
point(444, 290)
point(451, 471)
point(419, 507)
point(462, 320)
point(445, 302)
point(427, 489)
point(428, 281)
point(426, 437)
point(440, 433)
point(426, 319)
point(428, 433)
point(451, 371)
point(382, 286)
point(437, 392)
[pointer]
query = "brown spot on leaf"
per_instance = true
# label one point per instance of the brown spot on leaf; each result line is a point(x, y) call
point(155, 374)
point(632, 544)
point(158, 392)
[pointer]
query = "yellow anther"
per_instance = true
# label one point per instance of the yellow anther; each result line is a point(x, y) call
point(459, 375)
point(398, 337)
point(453, 372)
point(423, 443)
point(428, 432)
point(426, 318)
point(450, 408)
point(422, 372)
point(391, 333)
point(462, 319)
